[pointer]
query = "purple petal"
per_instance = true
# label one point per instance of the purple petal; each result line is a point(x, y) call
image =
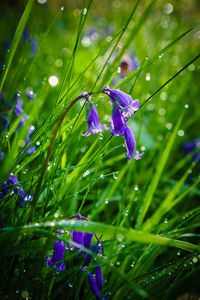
point(99, 277)
point(118, 122)
point(77, 237)
point(130, 143)
point(19, 107)
point(61, 267)
point(138, 155)
point(93, 285)
point(13, 179)
point(87, 239)
point(94, 124)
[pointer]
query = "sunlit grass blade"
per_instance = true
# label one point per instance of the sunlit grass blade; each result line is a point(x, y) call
point(16, 39)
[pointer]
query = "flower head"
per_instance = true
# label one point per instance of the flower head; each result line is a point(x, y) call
point(58, 255)
point(94, 124)
point(124, 101)
point(8, 190)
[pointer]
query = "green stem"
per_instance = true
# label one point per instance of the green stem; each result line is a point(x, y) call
point(34, 202)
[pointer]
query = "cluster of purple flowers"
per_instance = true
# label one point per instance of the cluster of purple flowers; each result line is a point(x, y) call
point(12, 186)
point(123, 109)
point(18, 111)
point(84, 239)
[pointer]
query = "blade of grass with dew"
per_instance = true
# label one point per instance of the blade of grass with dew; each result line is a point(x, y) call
point(166, 204)
point(108, 230)
point(157, 175)
point(16, 39)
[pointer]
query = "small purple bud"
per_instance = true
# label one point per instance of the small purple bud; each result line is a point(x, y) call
point(99, 277)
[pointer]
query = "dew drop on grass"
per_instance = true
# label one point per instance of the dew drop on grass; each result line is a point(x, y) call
point(136, 188)
point(186, 106)
point(118, 263)
point(148, 77)
point(120, 237)
point(178, 253)
point(25, 294)
point(161, 55)
point(70, 285)
point(106, 202)
point(119, 70)
point(181, 133)
point(165, 221)
point(62, 8)
point(101, 136)
point(195, 260)
point(115, 175)
point(101, 176)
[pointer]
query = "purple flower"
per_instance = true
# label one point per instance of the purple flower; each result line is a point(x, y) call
point(58, 255)
point(94, 124)
point(29, 93)
point(22, 121)
point(17, 190)
point(19, 107)
point(131, 145)
point(123, 100)
point(33, 148)
point(118, 122)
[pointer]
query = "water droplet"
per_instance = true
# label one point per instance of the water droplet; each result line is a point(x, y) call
point(70, 284)
point(119, 70)
point(118, 263)
point(52, 224)
point(161, 55)
point(163, 96)
point(115, 175)
point(195, 259)
point(25, 294)
point(38, 143)
point(148, 77)
point(169, 126)
point(100, 136)
point(186, 106)
point(165, 221)
point(86, 173)
point(143, 148)
point(120, 237)
point(181, 133)
point(53, 80)
point(162, 111)
point(62, 8)
point(136, 188)
point(168, 8)
point(101, 176)
point(106, 202)
point(160, 137)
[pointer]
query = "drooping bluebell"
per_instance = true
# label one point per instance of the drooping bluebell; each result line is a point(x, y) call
point(92, 117)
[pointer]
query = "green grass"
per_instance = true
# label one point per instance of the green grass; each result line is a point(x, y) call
point(146, 212)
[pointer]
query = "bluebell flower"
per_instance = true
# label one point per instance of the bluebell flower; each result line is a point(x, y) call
point(13, 187)
point(92, 117)
point(96, 283)
point(58, 255)
point(123, 100)
point(33, 148)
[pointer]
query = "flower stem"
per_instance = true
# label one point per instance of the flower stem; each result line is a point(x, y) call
point(36, 196)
